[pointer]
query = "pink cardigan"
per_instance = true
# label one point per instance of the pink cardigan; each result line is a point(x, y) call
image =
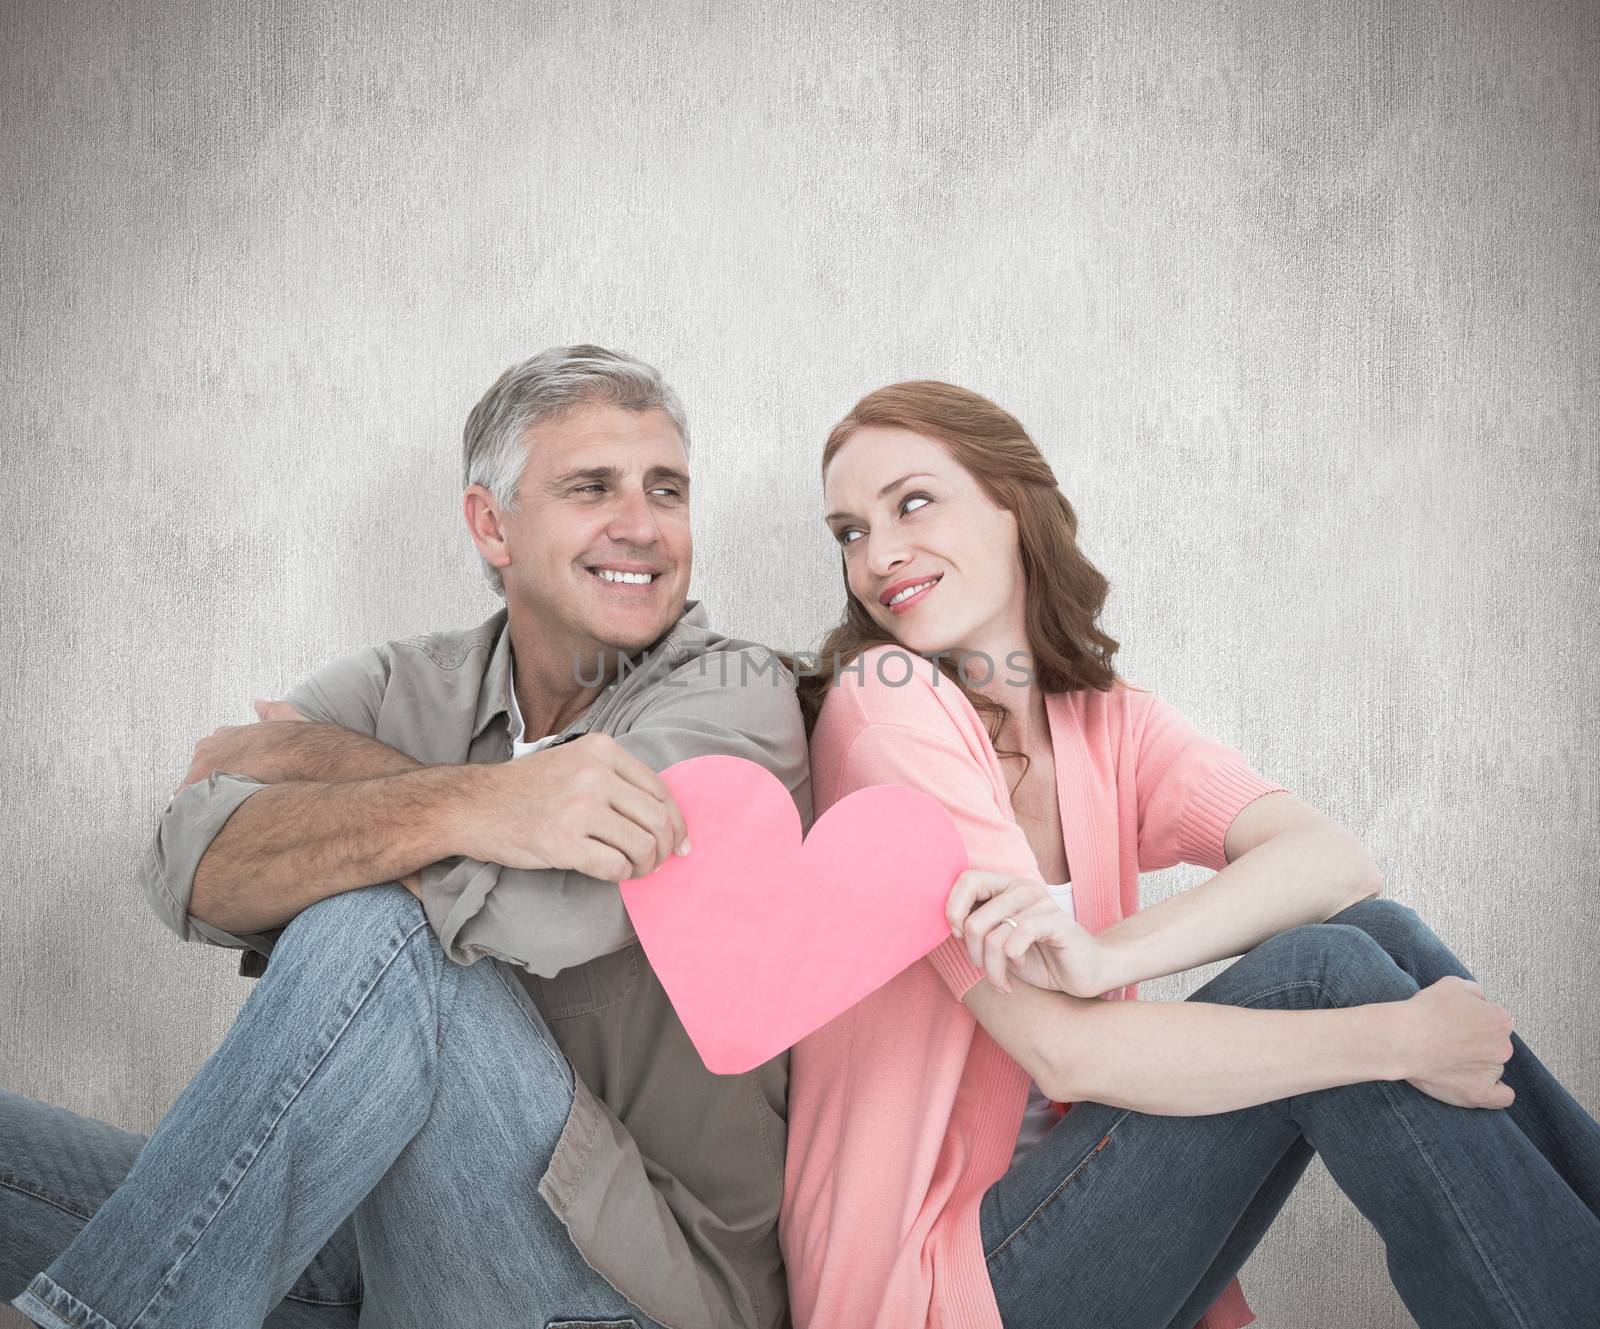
point(903, 1111)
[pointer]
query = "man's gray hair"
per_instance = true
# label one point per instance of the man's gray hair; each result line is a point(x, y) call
point(494, 450)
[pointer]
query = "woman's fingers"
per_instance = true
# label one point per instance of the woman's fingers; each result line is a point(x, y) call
point(996, 961)
point(1013, 901)
point(972, 887)
point(1004, 945)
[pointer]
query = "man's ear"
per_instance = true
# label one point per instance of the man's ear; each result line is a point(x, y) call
point(483, 523)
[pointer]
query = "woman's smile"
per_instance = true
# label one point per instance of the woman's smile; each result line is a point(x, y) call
point(907, 592)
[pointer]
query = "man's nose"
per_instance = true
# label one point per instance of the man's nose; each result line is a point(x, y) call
point(632, 519)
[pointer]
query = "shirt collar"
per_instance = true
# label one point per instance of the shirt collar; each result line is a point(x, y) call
point(495, 696)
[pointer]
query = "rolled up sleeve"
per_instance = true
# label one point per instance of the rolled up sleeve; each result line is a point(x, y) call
point(547, 920)
point(187, 827)
point(348, 691)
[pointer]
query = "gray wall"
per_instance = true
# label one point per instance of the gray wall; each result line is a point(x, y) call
point(1300, 301)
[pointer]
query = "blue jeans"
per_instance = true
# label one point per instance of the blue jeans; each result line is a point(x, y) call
point(363, 1148)
point(1131, 1221)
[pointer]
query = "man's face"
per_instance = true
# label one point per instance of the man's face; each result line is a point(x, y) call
point(600, 547)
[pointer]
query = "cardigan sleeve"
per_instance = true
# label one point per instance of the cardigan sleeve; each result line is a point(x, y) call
point(913, 737)
point(1189, 788)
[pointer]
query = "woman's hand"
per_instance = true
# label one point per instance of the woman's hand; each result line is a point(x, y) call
point(1047, 948)
point(1455, 1043)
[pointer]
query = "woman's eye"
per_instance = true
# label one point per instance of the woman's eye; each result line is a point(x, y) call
point(905, 503)
point(847, 536)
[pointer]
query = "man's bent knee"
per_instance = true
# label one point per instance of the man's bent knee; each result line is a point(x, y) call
point(350, 923)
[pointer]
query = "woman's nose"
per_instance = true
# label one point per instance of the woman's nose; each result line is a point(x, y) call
point(884, 555)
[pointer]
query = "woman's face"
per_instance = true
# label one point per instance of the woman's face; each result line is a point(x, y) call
point(931, 557)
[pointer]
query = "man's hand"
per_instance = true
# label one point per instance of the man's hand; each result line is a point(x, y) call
point(242, 747)
point(588, 805)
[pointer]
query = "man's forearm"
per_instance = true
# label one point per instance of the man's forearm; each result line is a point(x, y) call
point(1296, 878)
point(295, 843)
point(1191, 1058)
point(274, 752)
point(332, 752)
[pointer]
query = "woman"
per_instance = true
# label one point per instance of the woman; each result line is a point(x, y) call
point(931, 1178)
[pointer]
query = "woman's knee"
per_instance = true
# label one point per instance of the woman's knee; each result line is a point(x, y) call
point(1318, 964)
point(1384, 919)
point(1401, 931)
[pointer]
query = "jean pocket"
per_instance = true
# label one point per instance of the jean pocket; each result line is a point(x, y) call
point(1072, 1175)
point(629, 1323)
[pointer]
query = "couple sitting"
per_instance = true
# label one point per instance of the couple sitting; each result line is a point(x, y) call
point(394, 1134)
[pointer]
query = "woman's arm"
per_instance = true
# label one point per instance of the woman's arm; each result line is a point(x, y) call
point(1288, 865)
point(1194, 1058)
point(1183, 1058)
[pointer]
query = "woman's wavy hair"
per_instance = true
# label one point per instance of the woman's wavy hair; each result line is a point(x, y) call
point(1065, 592)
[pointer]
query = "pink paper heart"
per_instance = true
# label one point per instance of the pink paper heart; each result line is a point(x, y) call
point(758, 939)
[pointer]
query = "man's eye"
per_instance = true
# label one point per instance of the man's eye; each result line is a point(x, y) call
point(584, 489)
point(666, 489)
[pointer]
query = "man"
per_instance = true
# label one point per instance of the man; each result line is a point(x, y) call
point(506, 777)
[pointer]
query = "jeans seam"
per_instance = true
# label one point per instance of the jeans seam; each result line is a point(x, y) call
point(1060, 1186)
point(322, 1301)
point(1472, 1237)
point(543, 1036)
point(70, 1311)
point(1282, 987)
point(271, 1130)
point(24, 1188)
point(1390, 1097)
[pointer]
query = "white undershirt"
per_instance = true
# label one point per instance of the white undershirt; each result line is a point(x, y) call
point(1039, 1116)
point(518, 747)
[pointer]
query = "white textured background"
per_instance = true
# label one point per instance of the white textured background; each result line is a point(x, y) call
point(1300, 301)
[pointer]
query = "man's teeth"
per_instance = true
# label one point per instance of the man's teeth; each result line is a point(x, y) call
point(631, 578)
point(911, 590)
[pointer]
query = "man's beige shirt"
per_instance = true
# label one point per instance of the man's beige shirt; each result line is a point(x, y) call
point(668, 1178)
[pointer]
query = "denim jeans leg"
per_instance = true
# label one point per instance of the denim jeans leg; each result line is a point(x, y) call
point(1544, 1111)
point(456, 1232)
point(58, 1167)
point(361, 1052)
point(1121, 1218)
point(325, 1074)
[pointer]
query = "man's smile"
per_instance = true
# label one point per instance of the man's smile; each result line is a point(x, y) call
point(625, 577)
